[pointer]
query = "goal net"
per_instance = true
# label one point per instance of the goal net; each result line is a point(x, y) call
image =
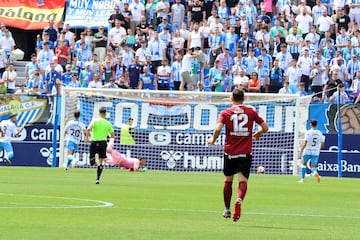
point(172, 127)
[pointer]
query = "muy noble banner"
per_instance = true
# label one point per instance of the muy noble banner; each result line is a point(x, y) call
point(31, 14)
point(86, 13)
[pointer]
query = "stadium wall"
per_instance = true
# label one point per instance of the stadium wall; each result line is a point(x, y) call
point(34, 147)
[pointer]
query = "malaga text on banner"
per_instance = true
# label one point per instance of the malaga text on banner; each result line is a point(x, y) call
point(31, 14)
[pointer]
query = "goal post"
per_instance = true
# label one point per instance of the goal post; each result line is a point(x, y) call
point(172, 127)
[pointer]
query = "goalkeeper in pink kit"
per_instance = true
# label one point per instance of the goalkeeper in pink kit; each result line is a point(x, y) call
point(115, 158)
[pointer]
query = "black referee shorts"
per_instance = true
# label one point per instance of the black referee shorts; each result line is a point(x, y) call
point(234, 164)
point(97, 147)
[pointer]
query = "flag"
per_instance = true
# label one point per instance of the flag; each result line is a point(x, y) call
point(31, 14)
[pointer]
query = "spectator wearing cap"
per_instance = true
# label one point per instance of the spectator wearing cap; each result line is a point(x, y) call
point(52, 31)
point(100, 42)
point(74, 81)
point(143, 52)
point(164, 24)
point(162, 10)
point(177, 15)
point(305, 63)
point(66, 76)
point(52, 81)
point(9, 77)
point(44, 57)
point(137, 10)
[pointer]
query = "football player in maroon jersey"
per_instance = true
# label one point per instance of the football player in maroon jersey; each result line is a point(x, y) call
point(239, 121)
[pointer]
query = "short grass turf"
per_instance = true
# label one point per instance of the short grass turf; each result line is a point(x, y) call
point(48, 203)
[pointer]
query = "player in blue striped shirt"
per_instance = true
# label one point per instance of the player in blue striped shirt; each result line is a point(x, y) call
point(74, 130)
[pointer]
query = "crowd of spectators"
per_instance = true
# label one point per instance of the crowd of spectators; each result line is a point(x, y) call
point(283, 46)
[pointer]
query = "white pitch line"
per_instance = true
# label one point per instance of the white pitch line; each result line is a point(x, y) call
point(103, 204)
point(245, 213)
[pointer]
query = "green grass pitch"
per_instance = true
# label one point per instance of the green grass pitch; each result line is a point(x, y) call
point(46, 203)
